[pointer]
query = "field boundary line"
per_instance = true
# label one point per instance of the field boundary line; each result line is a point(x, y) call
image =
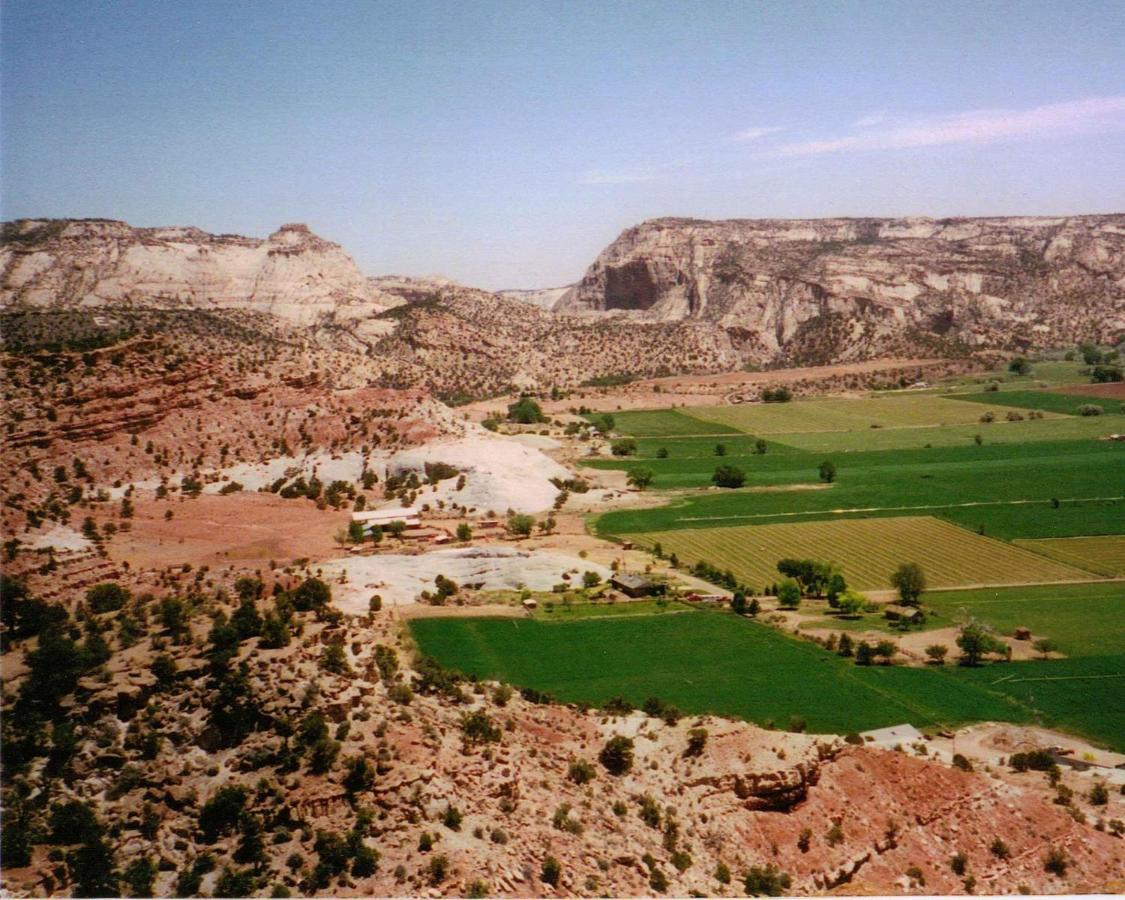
point(1021, 584)
point(861, 509)
point(1011, 679)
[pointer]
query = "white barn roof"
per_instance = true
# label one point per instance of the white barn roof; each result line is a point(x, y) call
point(385, 515)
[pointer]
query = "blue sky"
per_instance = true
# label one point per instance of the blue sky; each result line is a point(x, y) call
point(504, 144)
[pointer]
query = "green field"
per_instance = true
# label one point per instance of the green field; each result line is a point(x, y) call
point(1045, 401)
point(917, 487)
point(1042, 519)
point(741, 445)
point(663, 422)
point(1104, 554)
point(712, 662)
point(1001, 431)
point(1084, 619)
point(989, 486)
point(888, 411)
point(867, 551)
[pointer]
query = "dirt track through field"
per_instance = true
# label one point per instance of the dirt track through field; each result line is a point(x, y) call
point(863, 509)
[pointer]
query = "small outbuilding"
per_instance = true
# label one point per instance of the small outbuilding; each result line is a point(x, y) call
point(530, 604)
point(896, 612)
point(1023, 633)
point(632, 585)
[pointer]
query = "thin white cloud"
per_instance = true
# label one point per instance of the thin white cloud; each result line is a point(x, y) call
point(870, 120)
point(983, 126)
point(756, 134)
point(631, 175)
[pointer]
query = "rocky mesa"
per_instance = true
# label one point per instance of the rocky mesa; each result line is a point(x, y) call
point(810, 290)
point(293, 274)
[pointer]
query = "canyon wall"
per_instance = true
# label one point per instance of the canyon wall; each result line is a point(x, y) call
point(819, 289)
point(292, 274)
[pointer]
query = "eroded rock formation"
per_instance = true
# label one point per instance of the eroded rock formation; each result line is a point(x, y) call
point(95, 262)
point(821, 289)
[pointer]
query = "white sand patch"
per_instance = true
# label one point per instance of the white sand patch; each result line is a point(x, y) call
point(399, 579)
point(255, 475)
point(252, 476)
point(537, 441)
point(500, 474)
point(58, 536)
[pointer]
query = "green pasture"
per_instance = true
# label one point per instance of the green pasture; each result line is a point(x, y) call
point(713, 662)
point(1083, 619)
point(704, 447)
point(837, 414)
point(1045, 401)
point(1001, 431)
point(1006, 489)
point(1041, 519)
point(662, 422)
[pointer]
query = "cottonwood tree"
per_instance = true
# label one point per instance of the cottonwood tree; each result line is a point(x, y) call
point(910, 581)
point(640, 478)
point(727, 476)
point(789, 594)
point(976, 641)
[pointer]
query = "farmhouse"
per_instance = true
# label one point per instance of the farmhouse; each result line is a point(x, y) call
point(898, 613)
point(632, 585)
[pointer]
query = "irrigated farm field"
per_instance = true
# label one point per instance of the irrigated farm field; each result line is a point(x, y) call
point(1104, 554)
point(719, 663)
point(1000, 431)
point(665, 422)
point(1045, 401)
point(989, 486)
point(1083, 619)
point(921, 487)
point(891, 411)
point(867, 551)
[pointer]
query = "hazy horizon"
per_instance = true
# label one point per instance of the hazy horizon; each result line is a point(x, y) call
point(504, 144)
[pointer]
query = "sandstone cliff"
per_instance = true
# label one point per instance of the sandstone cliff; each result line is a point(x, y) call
point(819, 289)
point(292, 274)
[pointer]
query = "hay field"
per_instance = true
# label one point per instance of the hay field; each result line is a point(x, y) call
point(867, 551)
point(1104, 554)
point(899, 411)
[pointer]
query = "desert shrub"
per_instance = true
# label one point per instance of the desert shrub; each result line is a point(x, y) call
point(220, 814)
point(697, 740)
point(1056, 862)
point(451, 818)
point(438, 870)
point(106, 597)
point(551, 871)
point(563, 821)
point(649, 812)
point(617, 755)
point(478, 728)
point(766, 881)
point(580, 771)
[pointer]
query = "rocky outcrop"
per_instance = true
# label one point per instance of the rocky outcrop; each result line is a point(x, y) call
point(464, 342)
point(292, 274)
point(819, 289)
point(544, 298)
